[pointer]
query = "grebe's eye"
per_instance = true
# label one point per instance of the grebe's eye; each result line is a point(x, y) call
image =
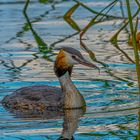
point(73, 56)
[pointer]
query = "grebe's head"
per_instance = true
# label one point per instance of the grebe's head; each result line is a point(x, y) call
point(67, 58)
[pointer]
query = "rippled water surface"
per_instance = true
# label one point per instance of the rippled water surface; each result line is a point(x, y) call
point(111, 96)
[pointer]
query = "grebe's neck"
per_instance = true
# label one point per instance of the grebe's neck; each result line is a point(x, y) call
point(67, 84)
point(72, 97)
point(63, 70)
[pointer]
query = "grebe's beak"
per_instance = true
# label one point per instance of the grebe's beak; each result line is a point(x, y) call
point(86, 63)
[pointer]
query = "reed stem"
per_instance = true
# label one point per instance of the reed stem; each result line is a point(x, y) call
point(133, 33)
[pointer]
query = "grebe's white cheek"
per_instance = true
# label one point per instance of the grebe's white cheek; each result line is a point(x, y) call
point(70, 60)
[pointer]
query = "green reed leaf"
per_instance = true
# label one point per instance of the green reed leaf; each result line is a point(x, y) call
point(71, 10)
point(100, 14)
point(43, 47)
point(133, 34)
point(67, 17)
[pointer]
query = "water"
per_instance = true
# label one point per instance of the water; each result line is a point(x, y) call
point(111, 96)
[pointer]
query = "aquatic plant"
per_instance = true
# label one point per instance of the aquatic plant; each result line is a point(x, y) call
point(114, 89)
point(134, 43)
point(43, 47)
point(102, 16)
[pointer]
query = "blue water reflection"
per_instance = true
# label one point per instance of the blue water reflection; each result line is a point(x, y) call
point(112, 103)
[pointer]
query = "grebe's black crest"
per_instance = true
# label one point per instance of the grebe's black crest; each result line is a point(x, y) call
point(72, 51)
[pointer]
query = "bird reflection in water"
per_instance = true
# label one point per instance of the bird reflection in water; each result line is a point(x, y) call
point(71, 119)
point(70, 124)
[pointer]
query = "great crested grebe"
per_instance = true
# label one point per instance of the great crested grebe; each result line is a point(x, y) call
point(43, 97)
